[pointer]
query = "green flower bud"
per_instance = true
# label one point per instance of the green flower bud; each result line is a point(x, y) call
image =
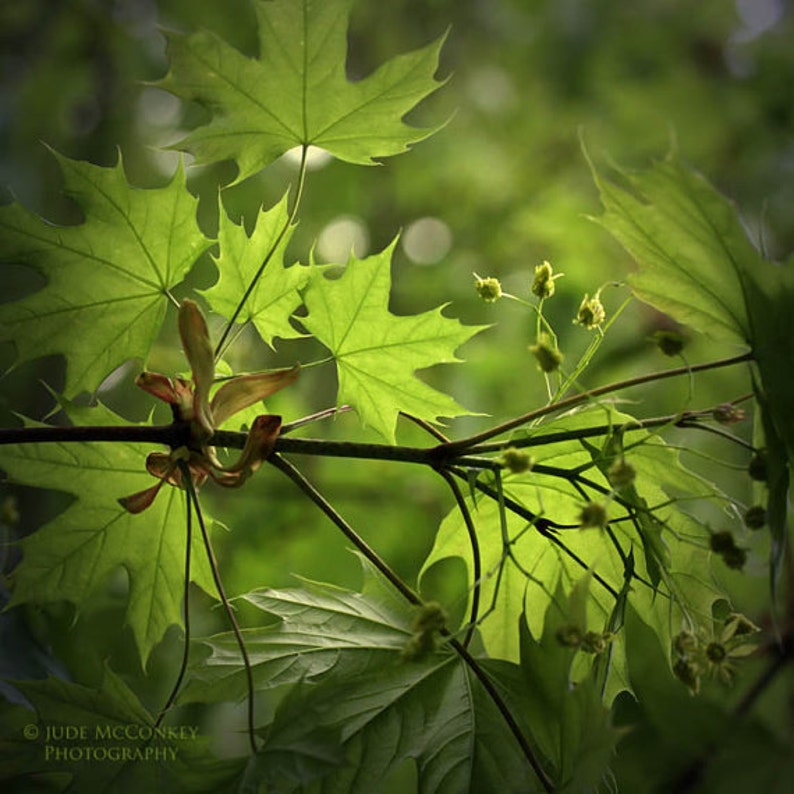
point(543, 283)
point(735, 558)
point(687, 673)
point(757, 467)
point(685, 643)
point(546, 354)
point(594, 642)
point(489, 289)
point(621, 474)
point(516, 460)
point(591, 312)
point(716, 653)
point(593, 514)
point(755, 517)
point(720, 542)
point(569, 636)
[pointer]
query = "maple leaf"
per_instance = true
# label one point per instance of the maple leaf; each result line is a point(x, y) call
point(107, 279)
point(71, 557)
point(119, 749)
point(678, 546)
point(296, 92)
point(361, 708)
point(376, 352)
point(275, 296)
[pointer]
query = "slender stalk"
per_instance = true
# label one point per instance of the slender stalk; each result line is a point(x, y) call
point(216, 575)
point(185, 601)
point(309, 490)
point(498, 701)
point(475, 554)
point(578, 399)
point(222, 345)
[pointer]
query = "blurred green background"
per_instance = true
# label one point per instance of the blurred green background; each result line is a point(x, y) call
point(503, 186)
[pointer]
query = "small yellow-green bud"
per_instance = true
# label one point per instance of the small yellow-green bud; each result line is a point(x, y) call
point(430, 617)
point(546, 354)
point(569, 636)
point(516, 460)
point(594, 642)
point(592, 514)
point(591, 312)
point(621, 474)
point(687, 673)
point(489, 289)
point(543, 283)
point(685, 643)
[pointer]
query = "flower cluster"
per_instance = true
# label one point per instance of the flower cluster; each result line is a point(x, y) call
point(191, 404)
point(698, 655)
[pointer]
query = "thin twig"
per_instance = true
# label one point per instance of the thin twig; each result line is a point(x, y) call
point(216, 575)
point(457, 446)
point(475, 554)
point(307, 488)
point(185, 600)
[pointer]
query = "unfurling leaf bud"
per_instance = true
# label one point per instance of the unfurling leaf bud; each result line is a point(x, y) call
point(756, 468)
point(621, 474)
point(755, 517)
point(591, 312)
point(546, 354)
point(727, 414)
point(671, 343)
point(543, 283)
point(489, 289)
point(516, 460)
point(593, 514)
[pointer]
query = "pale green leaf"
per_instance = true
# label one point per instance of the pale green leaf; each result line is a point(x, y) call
point(297, 92)
point(688, 244)
point(562, 559)
point(107, 278)
point(376, 352)
point(73, 555)
point(275, 296)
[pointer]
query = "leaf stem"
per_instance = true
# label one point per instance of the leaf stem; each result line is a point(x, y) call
point(309, 490)
point(475, 554)
point(216, 575)
point(185, 601)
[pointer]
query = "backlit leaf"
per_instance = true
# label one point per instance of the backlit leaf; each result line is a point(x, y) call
point(297, 92)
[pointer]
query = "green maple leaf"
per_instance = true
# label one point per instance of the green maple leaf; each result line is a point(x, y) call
point(360, 709)
point(296, 92)
point(107, 279)
point(696, 263)
point(275, 296)
point(684, 559)
point(111, 720)
point(376, 352)
point(73, 555)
